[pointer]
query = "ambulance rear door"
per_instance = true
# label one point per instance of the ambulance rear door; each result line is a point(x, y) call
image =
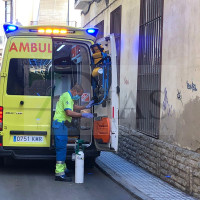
point(27, 92)
point(106, 115)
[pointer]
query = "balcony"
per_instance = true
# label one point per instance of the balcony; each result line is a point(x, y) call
point(81, 4)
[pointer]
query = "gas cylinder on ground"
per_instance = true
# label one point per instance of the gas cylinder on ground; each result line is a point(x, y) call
point(79, 162)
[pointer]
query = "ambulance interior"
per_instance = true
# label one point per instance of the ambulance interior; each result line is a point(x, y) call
point(71, 63)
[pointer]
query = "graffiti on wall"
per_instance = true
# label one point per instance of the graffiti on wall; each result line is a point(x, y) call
point(165, 102)
point(126, 81)
point(191, 86)
point(179, 95)
point(167, 108)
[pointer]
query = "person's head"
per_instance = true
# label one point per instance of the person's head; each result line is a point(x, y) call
point(77, 92)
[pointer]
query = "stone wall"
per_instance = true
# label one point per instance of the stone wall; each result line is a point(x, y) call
point(175, 165)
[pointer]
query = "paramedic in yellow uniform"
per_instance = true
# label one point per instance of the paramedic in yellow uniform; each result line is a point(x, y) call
point(64, 113)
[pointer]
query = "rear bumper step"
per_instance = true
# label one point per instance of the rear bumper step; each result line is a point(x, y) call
point(41, 154)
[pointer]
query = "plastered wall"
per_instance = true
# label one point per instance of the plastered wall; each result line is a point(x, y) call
point(22, 15)
point(180, 79)
point(180, 99)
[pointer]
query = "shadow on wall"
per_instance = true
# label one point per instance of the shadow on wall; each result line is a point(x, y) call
point(127, 116)
point(188, 126)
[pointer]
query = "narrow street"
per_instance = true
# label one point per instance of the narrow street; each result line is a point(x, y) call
point(34, 180)
point(113, 80)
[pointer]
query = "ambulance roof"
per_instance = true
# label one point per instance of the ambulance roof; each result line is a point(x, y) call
point(50, 30)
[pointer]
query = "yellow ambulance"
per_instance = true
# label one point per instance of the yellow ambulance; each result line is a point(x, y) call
point(39, 64)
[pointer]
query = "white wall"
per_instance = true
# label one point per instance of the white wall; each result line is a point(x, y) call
point(2, 11)
point(35, 9)
point(25, 11)
point(2, 21)
point(74, 15)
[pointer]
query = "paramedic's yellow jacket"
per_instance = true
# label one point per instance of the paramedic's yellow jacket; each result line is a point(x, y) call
point(65, 103)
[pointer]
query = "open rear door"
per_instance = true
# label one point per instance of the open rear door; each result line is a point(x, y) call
point(71, 65)
point(106, 120)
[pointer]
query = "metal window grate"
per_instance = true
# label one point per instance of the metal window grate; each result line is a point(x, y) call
point(149, 67)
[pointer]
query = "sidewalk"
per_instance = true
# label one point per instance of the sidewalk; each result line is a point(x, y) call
point(139, 182)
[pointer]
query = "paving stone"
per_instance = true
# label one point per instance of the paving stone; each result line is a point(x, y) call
point(138, 181)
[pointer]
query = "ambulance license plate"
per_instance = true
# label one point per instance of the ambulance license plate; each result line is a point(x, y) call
point(24, 138)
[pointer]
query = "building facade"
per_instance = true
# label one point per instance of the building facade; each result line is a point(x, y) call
point(58, 13)
point(37, 12)
point(12, 11)
point(2, 20)
point(158, 75)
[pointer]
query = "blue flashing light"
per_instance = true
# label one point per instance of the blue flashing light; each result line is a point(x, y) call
point(92, 31)
point(12, 28)
point(9, 28)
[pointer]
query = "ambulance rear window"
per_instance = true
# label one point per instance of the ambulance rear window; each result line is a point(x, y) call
point(29, 77)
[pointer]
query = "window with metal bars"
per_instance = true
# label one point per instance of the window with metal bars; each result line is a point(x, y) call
point(149, 67)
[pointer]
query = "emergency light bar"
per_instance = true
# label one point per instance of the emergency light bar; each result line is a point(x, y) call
point(92, 31)
point(9, 28)
point(50, 30)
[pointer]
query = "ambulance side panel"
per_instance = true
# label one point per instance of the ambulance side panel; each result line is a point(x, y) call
point(1, 86)
point(27, 92)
